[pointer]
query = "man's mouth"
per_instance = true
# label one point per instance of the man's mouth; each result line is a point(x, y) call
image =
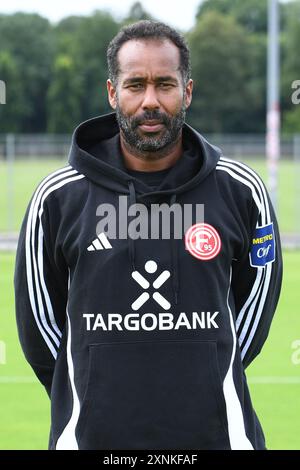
point(151, 126)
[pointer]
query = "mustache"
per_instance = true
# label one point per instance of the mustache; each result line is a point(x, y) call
point(148, 116)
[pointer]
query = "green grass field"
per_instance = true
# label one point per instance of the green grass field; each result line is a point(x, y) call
point(28, 173)
point(24, 407)
point(26, 176)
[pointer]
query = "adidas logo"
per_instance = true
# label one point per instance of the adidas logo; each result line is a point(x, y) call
point(100, 243)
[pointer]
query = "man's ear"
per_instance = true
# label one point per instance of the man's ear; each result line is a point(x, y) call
point(112, 94)
point(188, 93)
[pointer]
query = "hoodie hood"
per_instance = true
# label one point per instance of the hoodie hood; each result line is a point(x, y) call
point(95, 152)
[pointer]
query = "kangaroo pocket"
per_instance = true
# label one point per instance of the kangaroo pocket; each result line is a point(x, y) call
point(153, 395)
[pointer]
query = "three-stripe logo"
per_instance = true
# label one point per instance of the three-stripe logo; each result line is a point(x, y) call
point(100, 243)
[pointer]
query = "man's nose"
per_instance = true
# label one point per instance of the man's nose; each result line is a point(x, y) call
point(150, 100)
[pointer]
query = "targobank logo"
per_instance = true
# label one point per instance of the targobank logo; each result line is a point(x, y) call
point(263, 246)
point(151, 267)
point(150, 321)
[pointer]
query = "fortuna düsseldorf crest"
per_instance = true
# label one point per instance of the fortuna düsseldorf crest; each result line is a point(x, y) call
point(203, 241)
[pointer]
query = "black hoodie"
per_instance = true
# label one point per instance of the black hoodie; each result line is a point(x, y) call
point(140, 342)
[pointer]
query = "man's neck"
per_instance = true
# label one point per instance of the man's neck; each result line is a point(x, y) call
point(150, 161)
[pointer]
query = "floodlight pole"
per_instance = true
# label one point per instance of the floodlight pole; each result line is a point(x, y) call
point(273, 105)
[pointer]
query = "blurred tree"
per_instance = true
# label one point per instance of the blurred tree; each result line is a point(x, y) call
point(90, 38)
point(220, 56)
point(29, 39)
point(65, 32)
point(254, 112)
point(137, 13)
point(56, 75)
point(64, 94)
point(252, 14)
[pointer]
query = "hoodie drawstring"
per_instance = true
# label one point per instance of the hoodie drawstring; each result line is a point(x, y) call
point(174, 252)
point(131, 248)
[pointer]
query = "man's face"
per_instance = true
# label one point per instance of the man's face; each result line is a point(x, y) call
point(150, 98)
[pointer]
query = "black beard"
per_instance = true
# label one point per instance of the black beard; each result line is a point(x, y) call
point(151, 143)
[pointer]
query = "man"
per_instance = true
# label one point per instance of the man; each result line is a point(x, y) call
point(142, 341)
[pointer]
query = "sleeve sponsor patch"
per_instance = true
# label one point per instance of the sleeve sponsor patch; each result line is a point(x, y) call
point(263, 246)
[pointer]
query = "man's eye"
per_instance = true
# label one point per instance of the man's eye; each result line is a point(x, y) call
point(136, 86)
point(165, 85)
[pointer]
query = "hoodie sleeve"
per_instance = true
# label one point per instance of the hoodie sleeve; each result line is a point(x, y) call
point(40, 292)
point(257, 277)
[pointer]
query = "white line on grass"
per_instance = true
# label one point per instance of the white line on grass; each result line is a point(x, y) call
point(17, 380)
point(274, 380)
